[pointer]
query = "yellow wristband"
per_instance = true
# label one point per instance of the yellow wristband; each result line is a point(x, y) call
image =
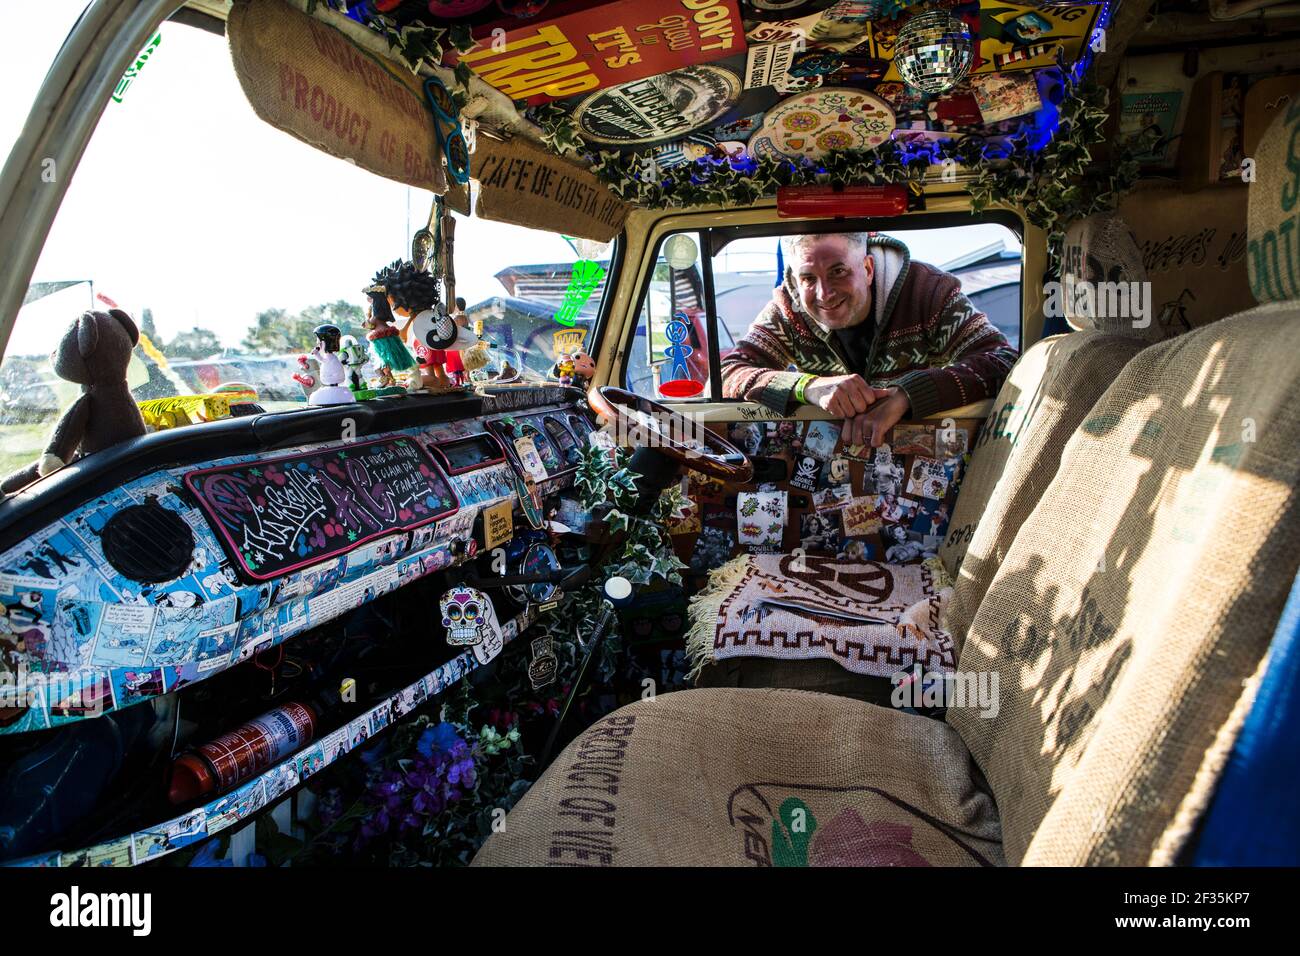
point(799, 386)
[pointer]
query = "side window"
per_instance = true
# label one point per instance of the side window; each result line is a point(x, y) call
point(744, 275)
point(668, 358)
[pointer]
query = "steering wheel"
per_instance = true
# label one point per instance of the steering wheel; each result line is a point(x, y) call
point(671, 433)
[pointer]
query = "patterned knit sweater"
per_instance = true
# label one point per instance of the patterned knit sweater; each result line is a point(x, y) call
point(929, 340)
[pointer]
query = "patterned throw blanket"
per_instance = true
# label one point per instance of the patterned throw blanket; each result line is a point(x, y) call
point(872, 619)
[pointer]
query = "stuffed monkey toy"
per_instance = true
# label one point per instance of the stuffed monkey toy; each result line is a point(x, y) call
point(94, 353)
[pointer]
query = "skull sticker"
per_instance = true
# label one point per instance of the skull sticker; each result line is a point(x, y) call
point(468, 616)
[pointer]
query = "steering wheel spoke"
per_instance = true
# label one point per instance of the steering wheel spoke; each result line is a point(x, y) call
point(685, 441)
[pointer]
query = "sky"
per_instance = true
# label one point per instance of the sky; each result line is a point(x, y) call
point(188, 204)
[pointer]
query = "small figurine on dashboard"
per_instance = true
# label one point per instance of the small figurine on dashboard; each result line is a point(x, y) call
point(355, 359)
point(574, 367)
point(385, 342)
point(433, 333)
point(93, 353)
point(332, 375)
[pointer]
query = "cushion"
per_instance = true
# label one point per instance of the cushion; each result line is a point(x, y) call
point(730, 777)
point(1139, 596)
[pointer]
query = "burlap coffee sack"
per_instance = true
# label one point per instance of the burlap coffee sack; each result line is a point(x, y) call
point(727, 777)
point(1047, 394)
point(1104, 285)
point(1139, 595)
point(309, 80)
point(1273, 212)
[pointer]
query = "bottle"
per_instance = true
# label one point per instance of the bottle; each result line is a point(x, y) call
point(244, 752)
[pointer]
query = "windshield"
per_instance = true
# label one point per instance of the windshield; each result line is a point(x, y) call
point(985, 257)
point(229, 241)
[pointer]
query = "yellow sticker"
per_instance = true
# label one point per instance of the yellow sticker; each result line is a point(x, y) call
point(498, 524)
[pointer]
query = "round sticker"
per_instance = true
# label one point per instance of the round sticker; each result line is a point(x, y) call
point(812, 124)
point(657, 108)
point(680, 251)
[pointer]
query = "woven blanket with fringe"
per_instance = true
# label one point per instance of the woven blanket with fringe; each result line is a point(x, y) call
point(870, 618)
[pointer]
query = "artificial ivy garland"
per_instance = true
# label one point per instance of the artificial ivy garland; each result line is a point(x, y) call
point(1052, 183)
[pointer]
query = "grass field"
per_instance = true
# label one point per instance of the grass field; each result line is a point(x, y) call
point(20, 444)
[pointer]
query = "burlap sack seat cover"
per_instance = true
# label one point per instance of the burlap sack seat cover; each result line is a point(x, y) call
point(1140, 596)
point(730, 777)
point(1042, 402)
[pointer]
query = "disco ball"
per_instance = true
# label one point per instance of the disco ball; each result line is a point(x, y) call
point(933, 52)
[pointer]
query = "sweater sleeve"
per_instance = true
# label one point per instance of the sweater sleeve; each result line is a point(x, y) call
point(758, 369)
point(969, 359)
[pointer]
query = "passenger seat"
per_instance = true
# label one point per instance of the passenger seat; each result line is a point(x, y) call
point(1043, 400)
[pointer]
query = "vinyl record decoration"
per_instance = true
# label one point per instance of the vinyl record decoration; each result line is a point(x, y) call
point(678, 383)
point(933, 52)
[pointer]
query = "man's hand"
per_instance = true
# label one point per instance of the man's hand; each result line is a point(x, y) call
point(870, 427)
point(843, 395)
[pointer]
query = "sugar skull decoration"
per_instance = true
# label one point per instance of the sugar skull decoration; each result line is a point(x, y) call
point(469, 617)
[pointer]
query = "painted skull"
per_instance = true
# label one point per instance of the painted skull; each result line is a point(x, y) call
point(464, 615)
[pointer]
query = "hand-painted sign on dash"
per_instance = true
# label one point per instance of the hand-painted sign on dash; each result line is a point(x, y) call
point(279, 515)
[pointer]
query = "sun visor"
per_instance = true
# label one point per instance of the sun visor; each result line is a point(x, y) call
point(308, 79)
point(524, 184)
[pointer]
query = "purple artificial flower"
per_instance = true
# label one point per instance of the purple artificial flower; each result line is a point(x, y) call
point(462, 772)
point(376, 825)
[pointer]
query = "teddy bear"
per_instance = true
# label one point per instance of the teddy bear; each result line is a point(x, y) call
point(93, 353)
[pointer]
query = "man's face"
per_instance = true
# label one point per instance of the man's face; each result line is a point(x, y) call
point(834, 281)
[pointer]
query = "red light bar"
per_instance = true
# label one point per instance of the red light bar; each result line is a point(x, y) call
point(827, 201)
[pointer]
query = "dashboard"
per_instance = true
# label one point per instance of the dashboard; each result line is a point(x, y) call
point(163, 563)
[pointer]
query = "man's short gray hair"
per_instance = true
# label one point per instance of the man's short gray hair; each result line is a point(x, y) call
point(790, 244)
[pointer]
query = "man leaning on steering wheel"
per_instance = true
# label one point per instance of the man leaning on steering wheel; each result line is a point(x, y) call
point(861, 330)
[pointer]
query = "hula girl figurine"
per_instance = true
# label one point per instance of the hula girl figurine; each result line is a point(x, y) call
point(413, 294)
point(385, 342)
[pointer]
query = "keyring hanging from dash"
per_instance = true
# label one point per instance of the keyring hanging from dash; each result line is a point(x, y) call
point(452, 145)
point(678, 382)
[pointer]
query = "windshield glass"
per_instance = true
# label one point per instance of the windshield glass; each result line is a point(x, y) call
point(229, 241)
point(985, 257)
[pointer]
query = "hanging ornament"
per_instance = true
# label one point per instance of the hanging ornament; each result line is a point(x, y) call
point(933, 52)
